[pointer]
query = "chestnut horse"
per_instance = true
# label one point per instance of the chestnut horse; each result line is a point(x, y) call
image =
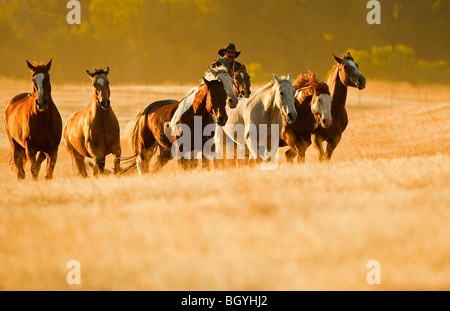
point(149, 129)
point(241, 83)
point(94, 132)
point(33, 125)
point(313, 105)
point(345, 74)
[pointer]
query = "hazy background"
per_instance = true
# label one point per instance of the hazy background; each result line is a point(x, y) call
point(174, 41)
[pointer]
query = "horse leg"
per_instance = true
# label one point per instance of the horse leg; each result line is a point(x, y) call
point(220, 148)
point(252, 145)
point(18, 159)
point(165, 155)
point(51, 162)
point(299, 147)
point(99, 166)
point(331, 145)
point(290, 155)
point(31, 154)
point(116, 158)
point(79, 160)
point(40, 157)
point(318, 140)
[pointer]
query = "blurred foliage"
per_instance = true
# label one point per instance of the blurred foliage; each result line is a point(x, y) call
point(155, 41)
point(399, 63)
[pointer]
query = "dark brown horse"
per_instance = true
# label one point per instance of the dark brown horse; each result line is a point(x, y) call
point(149, 129)
point(313, 105)
point(94, 132)
point(241, 83)
point(33, 125)
point(345, 74)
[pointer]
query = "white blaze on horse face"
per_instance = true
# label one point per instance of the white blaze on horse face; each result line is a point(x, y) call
point(38, 79)
point(227, 83)
point(100, 81)
point(322, 107)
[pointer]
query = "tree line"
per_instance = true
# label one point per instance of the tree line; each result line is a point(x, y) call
point(174, 41)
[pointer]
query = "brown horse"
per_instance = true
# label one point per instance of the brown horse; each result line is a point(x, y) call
point(241, 83)
point(94, 132)
point(345, 74)
point(33, 125)
point(149, 128)
point(313, 105)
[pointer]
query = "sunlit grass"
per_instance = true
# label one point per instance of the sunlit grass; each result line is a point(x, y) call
point(384, 196)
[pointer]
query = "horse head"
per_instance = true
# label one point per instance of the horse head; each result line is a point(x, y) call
point(221, 74)
point(41, 84)
point(242, 84)
point(349, 72)
point(284, 97)
point(100, 83)
point(216, 101)
point(321, 100)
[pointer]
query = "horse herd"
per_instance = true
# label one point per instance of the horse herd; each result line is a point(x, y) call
point(296, 113)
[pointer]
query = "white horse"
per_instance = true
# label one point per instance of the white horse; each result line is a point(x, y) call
point(260, 119)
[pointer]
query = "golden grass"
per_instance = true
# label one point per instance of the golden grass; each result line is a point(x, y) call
point(384, 196)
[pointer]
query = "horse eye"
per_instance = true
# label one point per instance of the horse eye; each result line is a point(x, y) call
point(281, 93)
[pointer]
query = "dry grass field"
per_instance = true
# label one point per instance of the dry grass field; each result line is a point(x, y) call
point(384, 196)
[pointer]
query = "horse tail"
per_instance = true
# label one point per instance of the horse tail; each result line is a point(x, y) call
point(132, 131)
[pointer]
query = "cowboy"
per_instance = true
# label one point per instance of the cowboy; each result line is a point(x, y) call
point(229, 54)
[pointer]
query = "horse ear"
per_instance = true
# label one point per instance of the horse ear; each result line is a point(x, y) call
point(289, 77)
point(213, 71)
point(90, 74)
point(49, 64)
point(276, 78)
point(32, 68)
point(206, 81)
point(337, 59)
point(107, 70)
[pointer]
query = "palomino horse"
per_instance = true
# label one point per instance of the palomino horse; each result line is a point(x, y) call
point(241, 83)
point(94, 132)
point(345, 74)
point(268, 106)
point(148, 129)
point(313, 105)
point(33, 125)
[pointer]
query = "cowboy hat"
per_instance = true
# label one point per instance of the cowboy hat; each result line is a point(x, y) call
point(229, 47)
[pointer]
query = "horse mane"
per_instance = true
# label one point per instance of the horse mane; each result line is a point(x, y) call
point(265, 88)
point(220, 69)
point(99, 71)
point(310, 79)
point(334, 72)
point(40, 67)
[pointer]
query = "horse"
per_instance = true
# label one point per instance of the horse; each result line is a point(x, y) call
point(220, 74)
point(94, 132)
point(33, 125)
point(345, 74)
point(268, 106)
point(241, 83)
point(148, 129)
point(313, 105)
